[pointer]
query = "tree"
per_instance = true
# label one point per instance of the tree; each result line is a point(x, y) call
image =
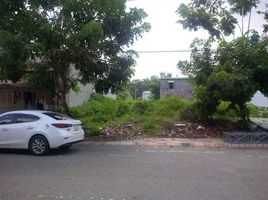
point(214, 15)
point(235, 70)
point(136, 87)
point(265, 14)
point(266, 18)
point(93, 36)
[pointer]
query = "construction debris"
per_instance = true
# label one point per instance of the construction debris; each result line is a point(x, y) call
point(131, 132)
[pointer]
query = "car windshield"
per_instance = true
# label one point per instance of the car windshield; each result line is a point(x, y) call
point(57, 116)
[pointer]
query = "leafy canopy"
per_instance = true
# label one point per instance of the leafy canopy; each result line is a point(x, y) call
point(235, 70)
point(214, 15)
point(136, 87)
point(49, 36)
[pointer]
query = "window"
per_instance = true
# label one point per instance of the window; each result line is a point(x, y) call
point(7, 119)
point(24, 118)
point(171, 85)
point(56, 116)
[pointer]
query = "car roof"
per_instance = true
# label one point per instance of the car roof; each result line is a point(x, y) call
point(26, 112)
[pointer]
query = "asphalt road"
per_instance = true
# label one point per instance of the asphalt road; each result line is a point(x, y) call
point(95, 172)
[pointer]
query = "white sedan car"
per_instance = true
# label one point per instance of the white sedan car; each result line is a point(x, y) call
point(38, 131)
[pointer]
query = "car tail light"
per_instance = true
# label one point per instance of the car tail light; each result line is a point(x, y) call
point(61, 125)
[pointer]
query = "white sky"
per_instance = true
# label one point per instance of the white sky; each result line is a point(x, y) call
point(166, 34)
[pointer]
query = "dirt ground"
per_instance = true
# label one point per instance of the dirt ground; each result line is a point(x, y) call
point(182, 130)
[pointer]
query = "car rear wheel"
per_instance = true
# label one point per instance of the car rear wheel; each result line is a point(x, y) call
point(39, 145)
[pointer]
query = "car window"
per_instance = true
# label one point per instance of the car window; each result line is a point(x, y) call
point(24, 118)
point(7, 119)
point(57, 116)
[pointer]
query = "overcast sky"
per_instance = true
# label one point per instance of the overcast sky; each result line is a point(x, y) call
point(166, 34)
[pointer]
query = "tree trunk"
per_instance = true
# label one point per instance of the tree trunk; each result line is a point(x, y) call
point(244, 115)
point(249, 20)
point(61, 91)
point(242, 13)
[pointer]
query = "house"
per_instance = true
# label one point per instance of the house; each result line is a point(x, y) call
point(18, 96)
point(175, 87)
point(21, 95)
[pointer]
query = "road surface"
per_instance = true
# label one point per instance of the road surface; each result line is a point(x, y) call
point(96, 172)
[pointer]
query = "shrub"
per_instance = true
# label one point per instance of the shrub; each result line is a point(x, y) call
point(149, 127)
point(224, 112)
point(123, 107)
point(97, 97)
point(150, 115)
point(91, 127)
point(141, 107)
point(171, 106)
point(256, 111)
point(191, 112)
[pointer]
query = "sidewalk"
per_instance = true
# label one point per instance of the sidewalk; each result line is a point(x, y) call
point(177, 142)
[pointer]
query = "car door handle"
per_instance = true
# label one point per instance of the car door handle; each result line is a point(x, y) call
point(4, 129)
point(30, 128)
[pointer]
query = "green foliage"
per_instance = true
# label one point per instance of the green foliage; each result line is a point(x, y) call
point(13, 55)
point(201, 63)
point(209, 15)
point(167, 106)
point(243, 7)
point(141, 107)
point(266, 19)
point(92, 35)
point(226, 112)
point(256, 111)
point(233, 73)
point(150, 127)
point(136, 87)
point(224, 86)
point(124, 107)
point(215, 16)
point(151, 116)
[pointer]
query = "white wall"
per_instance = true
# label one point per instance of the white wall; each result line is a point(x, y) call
point(259, 100)
point(77, 99)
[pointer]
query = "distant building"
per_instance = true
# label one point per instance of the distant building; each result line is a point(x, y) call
point(146, 95)
point(175, 87)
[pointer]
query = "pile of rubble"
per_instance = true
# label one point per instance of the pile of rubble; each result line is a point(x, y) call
point(131, 132)
point(191, 131)
point(120, 132)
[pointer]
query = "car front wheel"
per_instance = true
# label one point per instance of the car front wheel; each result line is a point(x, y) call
point(39, 145)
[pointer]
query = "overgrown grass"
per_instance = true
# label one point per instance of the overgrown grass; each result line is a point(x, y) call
point(151, 116)
point(256, 111)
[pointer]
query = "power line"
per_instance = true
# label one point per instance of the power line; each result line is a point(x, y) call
point(166, 51)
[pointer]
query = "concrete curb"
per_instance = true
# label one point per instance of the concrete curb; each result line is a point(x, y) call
point(175, 142)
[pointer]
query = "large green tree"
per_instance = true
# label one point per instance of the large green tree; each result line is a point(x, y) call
point(48, 37)
point(265, 14)
point(137, 86)
point(235, 70)
point(216, 16)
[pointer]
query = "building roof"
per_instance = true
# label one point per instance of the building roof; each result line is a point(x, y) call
point(172, 78)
